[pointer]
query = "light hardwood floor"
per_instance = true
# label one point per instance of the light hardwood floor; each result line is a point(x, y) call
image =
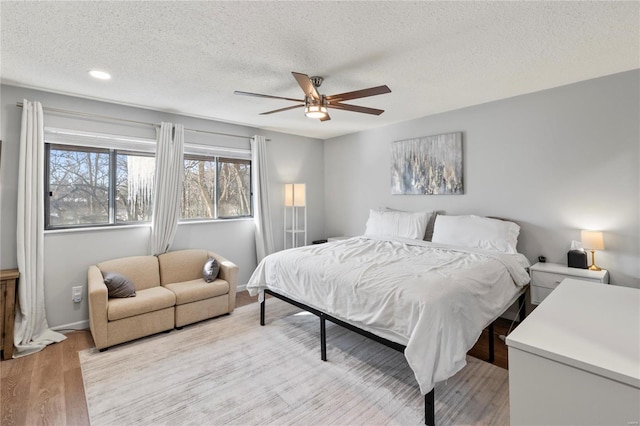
point(46, 388)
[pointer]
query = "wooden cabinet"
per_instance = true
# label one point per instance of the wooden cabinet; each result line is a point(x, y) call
point(8, 285)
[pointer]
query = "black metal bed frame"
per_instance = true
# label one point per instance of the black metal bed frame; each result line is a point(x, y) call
point(429, 405)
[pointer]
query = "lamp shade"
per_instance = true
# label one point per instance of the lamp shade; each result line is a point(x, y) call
point(592, 240)
point(295, 194)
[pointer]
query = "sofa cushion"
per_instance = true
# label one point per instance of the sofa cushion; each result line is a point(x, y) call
point(118, 285)
point(210, 270)
point(181, 265)
point(141, 270)
point(147, 300)
point(194, 290)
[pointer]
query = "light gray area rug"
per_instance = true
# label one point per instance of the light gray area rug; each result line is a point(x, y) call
point(230, 370)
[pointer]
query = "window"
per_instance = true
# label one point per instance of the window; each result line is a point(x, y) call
point(94, 179)
point(198, 188)
point(78, 187)
point(216, 188)
point(134, 186)
point(97, 186)
point(234, 188)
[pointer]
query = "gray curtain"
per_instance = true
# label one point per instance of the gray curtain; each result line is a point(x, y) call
point(168, 186)
point(31, 332)
point(262, 210)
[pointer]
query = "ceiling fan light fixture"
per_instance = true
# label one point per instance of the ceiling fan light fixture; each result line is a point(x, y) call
point(315, 111)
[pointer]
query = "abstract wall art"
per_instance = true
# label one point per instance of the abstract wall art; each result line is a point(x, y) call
point(430, 165)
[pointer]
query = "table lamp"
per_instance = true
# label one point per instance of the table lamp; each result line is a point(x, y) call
point(592, 241)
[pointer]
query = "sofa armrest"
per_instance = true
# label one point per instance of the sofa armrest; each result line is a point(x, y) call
point(98, 301)
point(229, 273)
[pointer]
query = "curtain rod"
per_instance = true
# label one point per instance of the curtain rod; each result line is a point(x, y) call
point(140, 123)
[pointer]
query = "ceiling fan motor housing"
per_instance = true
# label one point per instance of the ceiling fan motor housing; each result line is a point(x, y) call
point(308, 100)
point(316, 81)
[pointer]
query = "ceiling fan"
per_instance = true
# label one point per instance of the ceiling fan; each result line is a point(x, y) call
point(316, 105)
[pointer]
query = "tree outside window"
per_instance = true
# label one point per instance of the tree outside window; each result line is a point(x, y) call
point(134, 187)
point(198, 188)
point(234, 188)
point(216, 187)
point(78, 187)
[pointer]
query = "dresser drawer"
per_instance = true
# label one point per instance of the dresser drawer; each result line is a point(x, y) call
point(542, 284)
point(551, 280)
point(546, 279)
point(539, 293)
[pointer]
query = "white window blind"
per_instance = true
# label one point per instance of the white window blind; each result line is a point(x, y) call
point(216, 151)
point(98, 140)
point(108, 141)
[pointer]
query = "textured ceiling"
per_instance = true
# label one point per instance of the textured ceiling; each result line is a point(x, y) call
point(189, 57)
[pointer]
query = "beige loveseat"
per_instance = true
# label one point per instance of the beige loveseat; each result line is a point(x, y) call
point(170, 292)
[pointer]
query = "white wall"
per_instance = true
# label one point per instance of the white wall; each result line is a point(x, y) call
point(68, 254)
point(555, 161)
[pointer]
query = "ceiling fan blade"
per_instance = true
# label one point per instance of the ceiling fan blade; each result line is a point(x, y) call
point(282, 109)
point(307, 86)
point(325, 118)
point(355, 108)
point(372, 91)
point(258, 95)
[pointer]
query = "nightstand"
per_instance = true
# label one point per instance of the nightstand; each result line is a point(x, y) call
point(546, 276)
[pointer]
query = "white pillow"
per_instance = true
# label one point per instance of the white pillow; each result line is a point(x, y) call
point(397, 223)
point(476, 232)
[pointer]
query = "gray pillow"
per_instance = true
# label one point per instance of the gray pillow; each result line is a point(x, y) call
point(119, 285)
point(210, 270)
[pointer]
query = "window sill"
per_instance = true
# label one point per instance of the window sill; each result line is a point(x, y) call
point(97, 228)
point(201, 221)
point(141, 225)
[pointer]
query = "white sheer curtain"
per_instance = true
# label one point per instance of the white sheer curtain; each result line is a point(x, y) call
point(168, 186)
point(31, 332)
point(262, 210)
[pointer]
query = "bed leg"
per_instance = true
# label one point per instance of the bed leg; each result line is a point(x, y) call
point(491, 343)
point(262, 312)
point(323, 339)
point(522, 307)
point(429, 408)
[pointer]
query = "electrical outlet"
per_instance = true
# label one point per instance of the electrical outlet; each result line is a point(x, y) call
point(76, 294)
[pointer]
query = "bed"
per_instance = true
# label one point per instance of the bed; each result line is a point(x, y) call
point(429, 299)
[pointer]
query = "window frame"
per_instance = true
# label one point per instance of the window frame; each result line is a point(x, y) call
point(241, 161)
point(208, 153)
point(112, 190)
point(115, 185)
point(216, 159)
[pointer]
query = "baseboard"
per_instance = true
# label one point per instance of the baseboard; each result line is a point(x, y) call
point(80, 325)
point(241, 287)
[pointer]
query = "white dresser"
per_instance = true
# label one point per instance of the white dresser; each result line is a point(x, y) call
point(575, 360)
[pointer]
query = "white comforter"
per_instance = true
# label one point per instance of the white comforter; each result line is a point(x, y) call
point(432, 298)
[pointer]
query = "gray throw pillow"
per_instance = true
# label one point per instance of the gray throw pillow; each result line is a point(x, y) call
point(119, 285)
point(210, 270)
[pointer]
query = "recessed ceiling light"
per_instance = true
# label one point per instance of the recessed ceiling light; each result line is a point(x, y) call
point(100, 75)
